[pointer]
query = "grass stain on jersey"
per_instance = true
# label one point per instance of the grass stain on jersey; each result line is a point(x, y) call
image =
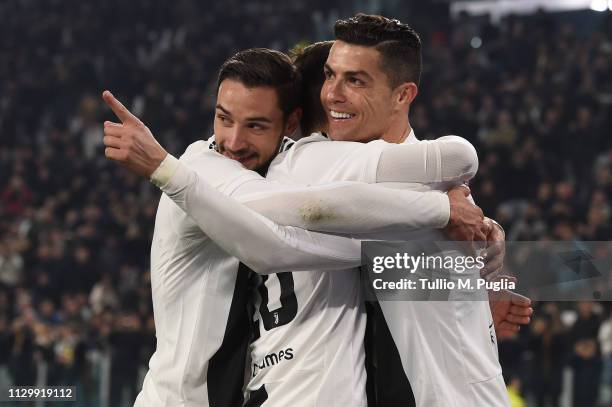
point(313, 213)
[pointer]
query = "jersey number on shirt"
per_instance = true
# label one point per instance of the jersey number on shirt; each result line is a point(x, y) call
point(288, 309)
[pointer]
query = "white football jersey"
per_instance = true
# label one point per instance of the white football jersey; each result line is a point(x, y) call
point(309, 326)
point(310, 353)
point(446, 350)
point(200, 310)
point(201, 293)
point(200, 289)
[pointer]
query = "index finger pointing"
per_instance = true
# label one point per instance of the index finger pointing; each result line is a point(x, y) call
point(117, 107)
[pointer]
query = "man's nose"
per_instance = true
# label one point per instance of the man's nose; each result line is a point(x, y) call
point(236, 141)
point(334, 92)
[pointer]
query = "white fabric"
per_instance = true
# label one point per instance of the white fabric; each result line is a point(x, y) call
point(334, 207)
point(190, 276)
point(329, 207)
point(449, 159)
point(448, 349)
point(455, 158)
point(326, 334)
point(162, 174)
point(334, 361)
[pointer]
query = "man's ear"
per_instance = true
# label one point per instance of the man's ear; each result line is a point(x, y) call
point(293, 122)
point(406, 93)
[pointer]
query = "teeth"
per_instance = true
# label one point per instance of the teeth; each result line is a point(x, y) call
point(340, 115)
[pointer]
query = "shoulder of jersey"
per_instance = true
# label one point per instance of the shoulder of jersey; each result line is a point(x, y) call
point(322, 137)
point(196, 147)
point(286, 144)
point(289, 147)
point(313, 138)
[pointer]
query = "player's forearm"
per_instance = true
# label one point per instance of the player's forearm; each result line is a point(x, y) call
point(447, 159)
point(261, 244)
point(354, 208)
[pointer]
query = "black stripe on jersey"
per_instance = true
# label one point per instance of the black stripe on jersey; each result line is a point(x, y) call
point(286, 144)
point(387, 384)
point(289, 305)
point(226, 368)
point(368, 343)
point(257, 397)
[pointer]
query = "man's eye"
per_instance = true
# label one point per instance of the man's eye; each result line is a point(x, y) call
point(224, 119)
point(256, 126)
point(355, 81)
point(327, 74)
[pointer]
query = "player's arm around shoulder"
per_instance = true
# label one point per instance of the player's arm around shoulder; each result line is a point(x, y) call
point(449, 159)
point(458, 157)
point(461, 154)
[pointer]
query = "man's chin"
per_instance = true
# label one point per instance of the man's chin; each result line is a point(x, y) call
point(344, 136)
point(251, 164)
point(340, 134)
point(351, 134)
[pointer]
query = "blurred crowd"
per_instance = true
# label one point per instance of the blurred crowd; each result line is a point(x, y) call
point(532, 94)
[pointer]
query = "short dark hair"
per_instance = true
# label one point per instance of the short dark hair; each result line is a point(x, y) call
point(398, 44)
point(310, 62)
point(265, 67)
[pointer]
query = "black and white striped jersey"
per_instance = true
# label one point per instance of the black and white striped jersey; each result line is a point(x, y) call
point(309, 332)
point(200, 287)
point(200, 301)
point(433, 353)
point(426, 353)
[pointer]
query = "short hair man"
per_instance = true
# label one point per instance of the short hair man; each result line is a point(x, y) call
point(447, 349)
point(198, 289)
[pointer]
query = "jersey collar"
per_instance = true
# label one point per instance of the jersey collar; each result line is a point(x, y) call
point(285, 145)
point(411, 139)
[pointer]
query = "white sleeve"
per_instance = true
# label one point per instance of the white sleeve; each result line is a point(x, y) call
point(355, 208)
point(446, 159)
point(348, 207)
point(258, 242)
point(339, 207)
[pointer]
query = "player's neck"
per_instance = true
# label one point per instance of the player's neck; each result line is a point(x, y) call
point(397, 132)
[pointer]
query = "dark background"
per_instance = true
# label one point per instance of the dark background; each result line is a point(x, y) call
point(532, 93)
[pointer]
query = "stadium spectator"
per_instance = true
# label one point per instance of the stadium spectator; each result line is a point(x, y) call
point(586, 363)
point(125, 341)
point(549, 347)
point(103, 295)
